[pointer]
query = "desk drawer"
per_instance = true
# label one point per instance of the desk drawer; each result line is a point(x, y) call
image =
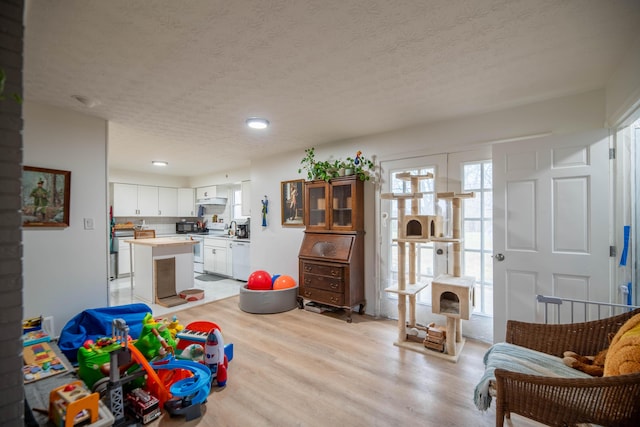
point(331, 284)
point(321, 296)
point(323, 269)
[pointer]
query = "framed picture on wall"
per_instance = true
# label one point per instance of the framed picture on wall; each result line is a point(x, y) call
point(292, 205)
point(45, 197)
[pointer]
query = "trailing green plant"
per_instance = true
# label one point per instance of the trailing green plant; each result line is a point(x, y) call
point(325, 171)
point(3, 80)
point(308, 163)
point(315, 169)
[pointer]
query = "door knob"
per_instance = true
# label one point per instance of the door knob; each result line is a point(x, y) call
point(499, 257)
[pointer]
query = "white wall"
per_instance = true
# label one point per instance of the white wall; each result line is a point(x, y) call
point(132, 177)
point(65, 270)
point(623, 88)
point(275, 248)
point(228, 177)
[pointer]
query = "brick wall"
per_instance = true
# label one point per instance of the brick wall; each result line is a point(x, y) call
point(11, 47)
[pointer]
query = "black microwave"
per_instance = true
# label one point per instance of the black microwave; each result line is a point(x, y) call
point(186, 227)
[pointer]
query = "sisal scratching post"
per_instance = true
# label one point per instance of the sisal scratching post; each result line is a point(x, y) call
point(402, 300)
point(457, 223)
point(460, 288)
point(412, 310)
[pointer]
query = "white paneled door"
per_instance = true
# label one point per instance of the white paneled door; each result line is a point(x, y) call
point(551, 223)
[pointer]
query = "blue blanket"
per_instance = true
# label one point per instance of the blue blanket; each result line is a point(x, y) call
point(95, 323)
point(519, 359)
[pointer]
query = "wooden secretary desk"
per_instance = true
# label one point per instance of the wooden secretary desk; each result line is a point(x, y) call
point(331, 258)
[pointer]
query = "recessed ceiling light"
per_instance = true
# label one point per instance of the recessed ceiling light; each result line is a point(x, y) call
point(257, 123)
point(159, 163)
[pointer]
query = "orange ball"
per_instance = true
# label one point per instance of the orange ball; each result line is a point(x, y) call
point(284, 282)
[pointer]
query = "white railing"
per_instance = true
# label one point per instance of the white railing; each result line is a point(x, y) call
point(579, 310)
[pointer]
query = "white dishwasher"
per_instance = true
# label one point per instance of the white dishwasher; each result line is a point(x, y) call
point(240, 255)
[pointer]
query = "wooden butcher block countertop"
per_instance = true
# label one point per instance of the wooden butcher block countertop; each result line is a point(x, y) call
point(163, 241)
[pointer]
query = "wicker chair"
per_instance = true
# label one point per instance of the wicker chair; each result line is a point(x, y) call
point(605, 401)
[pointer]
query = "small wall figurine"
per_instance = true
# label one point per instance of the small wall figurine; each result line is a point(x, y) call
point(265, 210)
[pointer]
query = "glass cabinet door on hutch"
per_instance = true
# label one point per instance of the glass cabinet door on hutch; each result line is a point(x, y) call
point(316, 199)
point(342, 205)
point(334, 205)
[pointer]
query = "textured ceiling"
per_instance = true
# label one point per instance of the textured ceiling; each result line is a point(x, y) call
point(177, 79)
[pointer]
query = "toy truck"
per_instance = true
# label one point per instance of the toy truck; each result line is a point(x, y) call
point(143, 405)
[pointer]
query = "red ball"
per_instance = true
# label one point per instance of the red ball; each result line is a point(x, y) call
point(259, 280)
point(284, 282)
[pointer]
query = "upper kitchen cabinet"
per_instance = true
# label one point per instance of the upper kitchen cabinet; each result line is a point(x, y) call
point(206, 192)
point(167, 201)
point(186, 202)
point(144, 200)
point(147, 200)
point(125, 200)
point(245, 188)
point(335, 205)
point(135, 200)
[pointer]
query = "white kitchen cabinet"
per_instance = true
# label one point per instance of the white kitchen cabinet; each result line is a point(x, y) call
point(186, 202)
point(147, 200)
point(135, 200)
point(245, 188)
point(167, 201)
point(215, 256)
point(125, 200)
point(124, 265)
point(206, 192)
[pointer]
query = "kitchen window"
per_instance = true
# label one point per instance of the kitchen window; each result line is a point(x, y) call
point(236, 203)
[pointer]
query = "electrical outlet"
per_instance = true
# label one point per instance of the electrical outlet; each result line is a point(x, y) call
point(88, 223)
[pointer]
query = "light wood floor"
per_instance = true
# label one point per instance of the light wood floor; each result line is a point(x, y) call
point(300, 368)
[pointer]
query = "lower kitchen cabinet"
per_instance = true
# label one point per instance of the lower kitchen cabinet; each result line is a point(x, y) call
point(331, 268)
point(215, 256)
point(124, 261)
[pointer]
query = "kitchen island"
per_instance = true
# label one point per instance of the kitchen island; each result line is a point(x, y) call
point(163, 266)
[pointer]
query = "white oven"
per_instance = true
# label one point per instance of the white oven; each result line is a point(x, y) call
point(198, 254)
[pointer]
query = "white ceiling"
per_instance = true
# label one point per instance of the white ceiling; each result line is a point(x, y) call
point(177, 79)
